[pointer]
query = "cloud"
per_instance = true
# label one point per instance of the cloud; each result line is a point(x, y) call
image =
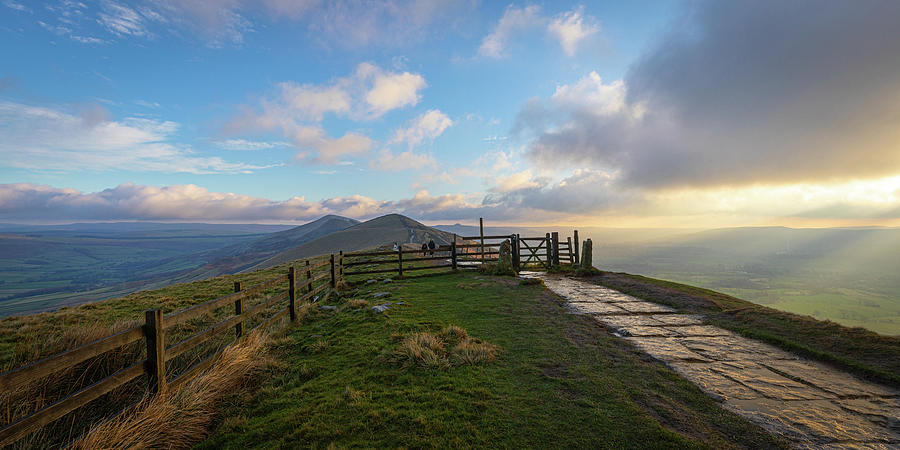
point(25, 201)
point(428, 125)
point(738, 93)
point(243, 144)
point(408, 160)
point(122, 20)
point(570, 28)
point(40, 138)
point(514, 21)
point(392, 91)
point(297, 110)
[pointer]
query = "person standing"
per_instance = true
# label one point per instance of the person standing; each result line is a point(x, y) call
point(431, 246)
point(424, 249)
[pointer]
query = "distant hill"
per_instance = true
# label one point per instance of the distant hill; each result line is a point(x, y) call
point(384, 230)
point(237, 257)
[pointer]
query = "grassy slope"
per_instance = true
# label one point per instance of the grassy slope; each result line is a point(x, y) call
point(856, 349)
point(560, 381)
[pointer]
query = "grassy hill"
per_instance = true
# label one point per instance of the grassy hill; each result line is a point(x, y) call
point(384, 230)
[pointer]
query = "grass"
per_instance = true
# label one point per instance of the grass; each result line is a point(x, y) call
point(546, 379)
point(857, 350)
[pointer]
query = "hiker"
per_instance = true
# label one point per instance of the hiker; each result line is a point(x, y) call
point(431, 246)
point(424, 249)
point(395, 246)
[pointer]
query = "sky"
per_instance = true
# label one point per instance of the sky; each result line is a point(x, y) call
point(694, 114)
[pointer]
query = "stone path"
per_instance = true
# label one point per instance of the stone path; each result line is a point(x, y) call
point(810, 404)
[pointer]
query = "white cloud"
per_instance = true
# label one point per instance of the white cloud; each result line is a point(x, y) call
point(40, 138)
point(570, 28)
point(408, 160)
point(122, 20)
point(517, 181)
point(393, 90)
point(243, 144)
point(429, 125)
point(190, 202)
point(297, 110)
point(514, 20)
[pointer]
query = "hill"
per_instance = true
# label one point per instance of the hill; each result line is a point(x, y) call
point(238, 257)
point(380, 231)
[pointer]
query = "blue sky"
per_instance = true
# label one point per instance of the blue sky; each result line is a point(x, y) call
point(566, 112)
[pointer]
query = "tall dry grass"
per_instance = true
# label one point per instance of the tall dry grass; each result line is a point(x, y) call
point(451, 347)
point(180, 419)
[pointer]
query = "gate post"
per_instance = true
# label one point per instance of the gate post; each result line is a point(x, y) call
point(400, 261)
point(555, 241)
point(514, 240)
point(576, 247)
point(549, 251)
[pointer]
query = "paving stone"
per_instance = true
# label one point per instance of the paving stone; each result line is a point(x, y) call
point(665, 349)
point(768, 383)
point(811, 422)
point(644, 307)
point(628, 320)
point(702, 330)
point(596, 308)
point(713, 383)
point(638, 331)
point(679, 319)
point(828, 379)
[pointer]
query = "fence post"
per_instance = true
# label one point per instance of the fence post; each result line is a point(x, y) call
point(576, 247)
point(571, 257)
point(333, 284)
point(514, 240)
point(481, 230)
point(292, 294)
point(549, 250)
point(308, 278)
point(238, 309)
point(341, 265)
point(156, 351)
point(554, 238)
point(453, 252)
point(400, 261)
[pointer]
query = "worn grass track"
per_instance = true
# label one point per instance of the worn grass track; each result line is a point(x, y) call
point(559, 380)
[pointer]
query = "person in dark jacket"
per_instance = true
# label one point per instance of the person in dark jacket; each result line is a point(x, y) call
point(424, 249)
point(431, 246)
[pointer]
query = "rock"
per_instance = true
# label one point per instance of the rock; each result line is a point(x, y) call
point(388, 280)
point(504, 266)
point(371, 281)
point(587, 250)
point(328, 307)
point(381, 308)
point(381, 294)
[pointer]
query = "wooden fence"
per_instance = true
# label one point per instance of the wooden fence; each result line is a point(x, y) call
point(464, 251)
point(154, 332)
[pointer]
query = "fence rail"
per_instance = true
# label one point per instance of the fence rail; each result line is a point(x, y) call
point(546, 251)
point(154, 333)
